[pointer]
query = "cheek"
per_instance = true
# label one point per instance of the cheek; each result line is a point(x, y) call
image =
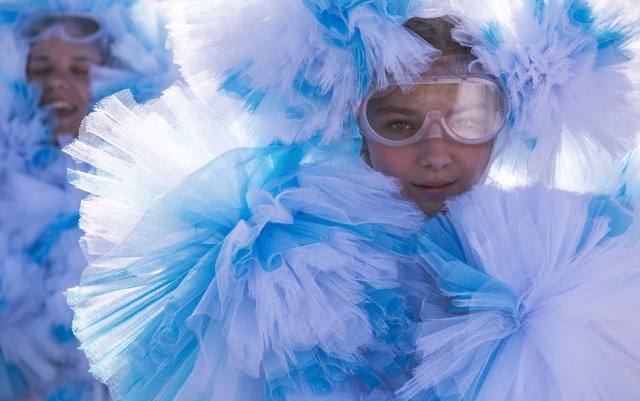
point(475, 160)
point(390, 161)
point(82, 91)
point(37, 80)
point(83, 87)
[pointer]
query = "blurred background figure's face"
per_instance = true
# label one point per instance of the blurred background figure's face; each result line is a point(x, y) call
point(61, 70)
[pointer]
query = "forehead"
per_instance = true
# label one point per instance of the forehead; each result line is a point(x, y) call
point(432, 92)
point(56, 49)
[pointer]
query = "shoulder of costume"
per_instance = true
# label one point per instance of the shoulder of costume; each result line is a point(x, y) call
point(533, 283)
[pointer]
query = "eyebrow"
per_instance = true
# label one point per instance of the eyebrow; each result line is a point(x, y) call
point(85, 58)
point(470, 107)
point(396, 110)
point(74, 58)
point(38, 58)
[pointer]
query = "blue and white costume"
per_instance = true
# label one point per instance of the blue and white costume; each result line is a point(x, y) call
point(250, 278)
point(542, 281)
point(250, 254)
point(543, 289)
point(40, 256)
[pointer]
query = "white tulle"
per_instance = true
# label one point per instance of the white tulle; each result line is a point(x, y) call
point(279, 45)
point(572, 274)
point(574, 96)
point(132, 170)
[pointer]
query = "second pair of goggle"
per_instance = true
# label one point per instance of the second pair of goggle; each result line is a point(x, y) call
point(470, 110)
point(71, 27)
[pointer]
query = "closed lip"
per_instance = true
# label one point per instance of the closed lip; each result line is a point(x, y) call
point(435, 188)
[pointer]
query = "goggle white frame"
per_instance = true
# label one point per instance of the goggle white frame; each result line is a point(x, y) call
point(422, 133)
point(57, 28)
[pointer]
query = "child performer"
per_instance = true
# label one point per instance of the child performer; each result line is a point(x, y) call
point(263, 272)
point(59, 60)
point(541, 281)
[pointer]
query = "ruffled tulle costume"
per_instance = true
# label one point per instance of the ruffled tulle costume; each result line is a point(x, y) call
point(40, 256)
point(251, 255)
point(543, 288)
point(254, 258)
point(249, 281)
point(25, 342)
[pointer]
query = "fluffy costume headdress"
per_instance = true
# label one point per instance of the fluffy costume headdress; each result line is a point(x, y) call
point(300, 67)
point(572, 73)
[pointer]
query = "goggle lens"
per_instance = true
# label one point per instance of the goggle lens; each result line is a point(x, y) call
point(73, 28)
point(469, 111)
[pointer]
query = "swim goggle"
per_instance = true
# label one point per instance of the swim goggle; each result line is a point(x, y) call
point(74, 28)
point(470, 110)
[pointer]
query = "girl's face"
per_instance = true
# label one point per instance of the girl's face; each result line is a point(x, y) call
point(61, 70)
point(438, 166)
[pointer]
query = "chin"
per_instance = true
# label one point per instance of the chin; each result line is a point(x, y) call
point(431, 208)
point(67, 129)
point(64, 132)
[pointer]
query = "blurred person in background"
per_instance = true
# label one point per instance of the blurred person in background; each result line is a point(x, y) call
point(60, 59)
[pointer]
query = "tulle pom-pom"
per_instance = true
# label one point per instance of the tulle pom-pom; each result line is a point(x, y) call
point(267, 273)
point(545, 294)
point(130, 171)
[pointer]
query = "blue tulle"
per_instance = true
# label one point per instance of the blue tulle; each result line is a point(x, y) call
point(612, 37)
point(73, 391)
point(185, 300)
point(12, 383)
point(64, 221)
point(516, 292)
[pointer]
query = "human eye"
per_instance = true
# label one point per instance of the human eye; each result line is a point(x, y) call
point(399, 125)
point(465, 123)
point(398, 129)
point(38, 69)
point(80, 70)
point(470, 121)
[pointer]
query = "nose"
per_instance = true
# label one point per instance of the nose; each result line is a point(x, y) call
point(434, 128)
point(434, 149)
point(56, 80)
